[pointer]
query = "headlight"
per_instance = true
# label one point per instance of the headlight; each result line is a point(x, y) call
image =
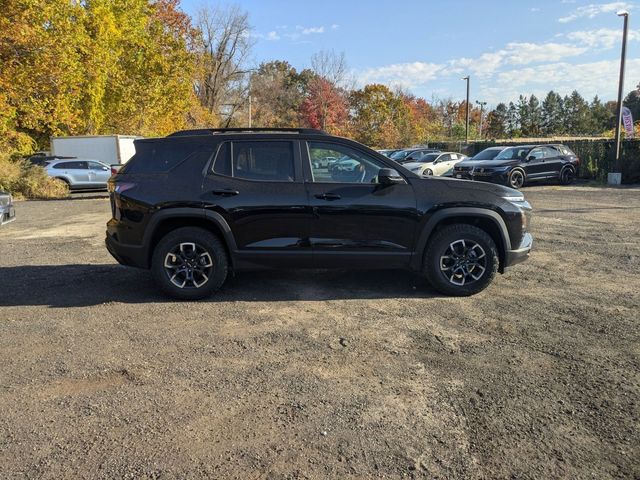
point(501, 169)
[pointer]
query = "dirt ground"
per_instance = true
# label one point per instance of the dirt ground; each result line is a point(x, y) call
point(319, 374)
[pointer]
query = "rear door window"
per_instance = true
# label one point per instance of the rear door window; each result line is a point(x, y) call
point(270, 161)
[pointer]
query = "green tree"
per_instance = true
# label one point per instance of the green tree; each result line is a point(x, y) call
point(577, 114)
point(497, 121)
point(552, 114)
point(601, 117)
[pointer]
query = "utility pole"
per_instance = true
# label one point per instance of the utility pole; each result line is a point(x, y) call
point(466, 130)
point(249, 109)
point(482, 104)
point(615, 177)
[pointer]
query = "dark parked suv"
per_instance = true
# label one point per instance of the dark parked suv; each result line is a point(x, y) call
point(198, 204)
point(516, 166)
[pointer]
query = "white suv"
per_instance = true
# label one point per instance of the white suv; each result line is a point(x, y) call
point(440, 163)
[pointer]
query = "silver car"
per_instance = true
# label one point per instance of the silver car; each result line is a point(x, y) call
point(7, 212)
point(80, 173)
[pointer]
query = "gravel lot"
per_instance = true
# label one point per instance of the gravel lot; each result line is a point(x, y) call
point(323, 374)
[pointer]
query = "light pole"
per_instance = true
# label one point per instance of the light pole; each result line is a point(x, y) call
point(466, 128)
point(616, 176)
point(482, 104)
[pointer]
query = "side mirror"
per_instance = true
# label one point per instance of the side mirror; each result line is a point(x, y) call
point(389, 176)
point(104, 169)
point(529, 158)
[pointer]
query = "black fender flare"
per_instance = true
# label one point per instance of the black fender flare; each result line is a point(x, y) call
point(450, 212)
point(198, 213)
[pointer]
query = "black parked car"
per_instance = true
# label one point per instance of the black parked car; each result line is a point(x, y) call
point(516, 166)
point(463, 169)
point(197, 204)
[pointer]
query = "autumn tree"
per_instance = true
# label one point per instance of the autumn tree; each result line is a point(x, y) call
point(278, 91)
point(222, 51)
point(324, 107)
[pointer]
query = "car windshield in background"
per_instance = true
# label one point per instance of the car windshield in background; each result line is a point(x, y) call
point(399, 155)
point(513, 153)
point(488, 154)
point(429, 158)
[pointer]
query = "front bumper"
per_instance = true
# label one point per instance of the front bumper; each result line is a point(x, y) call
point(492, 177)
point(521, 253)
point(7, 214)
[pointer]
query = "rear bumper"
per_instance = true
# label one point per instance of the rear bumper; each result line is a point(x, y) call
point(130, 255)
point(7, 214)
point(521, 253)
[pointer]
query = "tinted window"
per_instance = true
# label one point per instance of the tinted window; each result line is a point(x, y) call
point(536, 154)
point(513, 153)
point(159, 156)
point(96, 166)
point(550, 152)
point(222, 165)
point(267, 161)
point(429, 158)
point(71, 166)
point(352, 165)
point(487, 154)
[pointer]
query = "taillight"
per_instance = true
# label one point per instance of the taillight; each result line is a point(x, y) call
point(123, 187)
point(113, 171)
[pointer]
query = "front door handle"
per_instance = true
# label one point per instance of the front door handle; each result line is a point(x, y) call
point(328, 196)
point(225, 192)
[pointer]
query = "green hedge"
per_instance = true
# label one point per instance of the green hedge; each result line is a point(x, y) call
point(597, 156)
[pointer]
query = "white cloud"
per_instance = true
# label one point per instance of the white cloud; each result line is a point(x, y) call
point(273, 35)
point(586, 78)
point(605, 38)
point(516, 54)
point(335, 26)
point(592, 10)
point(406, 75)
point(534, 9)
point(310, 30)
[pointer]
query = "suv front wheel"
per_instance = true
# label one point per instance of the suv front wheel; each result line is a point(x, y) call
point(189, 263)
point(460, 260)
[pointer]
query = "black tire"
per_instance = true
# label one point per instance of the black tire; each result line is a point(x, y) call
point(567, 176)
point(428, 172)
point(438, 256)
point(517, 178)
point(175, 261)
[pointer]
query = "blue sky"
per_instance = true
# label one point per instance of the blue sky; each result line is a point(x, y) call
point(508, 47)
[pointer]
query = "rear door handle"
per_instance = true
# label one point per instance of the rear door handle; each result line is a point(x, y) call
point(328, 196)
point(225, 192)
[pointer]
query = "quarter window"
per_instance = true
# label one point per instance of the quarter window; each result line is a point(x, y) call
point(350, 166)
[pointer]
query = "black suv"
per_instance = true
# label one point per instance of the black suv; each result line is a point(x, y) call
point(198, 204)
point(516, 166)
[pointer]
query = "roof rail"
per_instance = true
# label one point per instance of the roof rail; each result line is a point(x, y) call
point(214, 131)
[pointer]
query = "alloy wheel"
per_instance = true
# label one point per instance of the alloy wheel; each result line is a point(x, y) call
point(464, 262)
point(188, 265)
point(516, 179)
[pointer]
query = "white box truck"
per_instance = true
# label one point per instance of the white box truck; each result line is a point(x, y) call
point(110, 149)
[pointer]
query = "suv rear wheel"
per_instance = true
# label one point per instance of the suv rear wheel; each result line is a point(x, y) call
point(189, 263)
point(567, 175)
point(460, 260)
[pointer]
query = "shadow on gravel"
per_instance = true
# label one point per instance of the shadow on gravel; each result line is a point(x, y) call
point(61, 286)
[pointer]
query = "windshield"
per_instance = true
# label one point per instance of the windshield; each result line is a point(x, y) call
point(400, 155)
point(513, 153)
point(487, 154)
point(428, 158)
